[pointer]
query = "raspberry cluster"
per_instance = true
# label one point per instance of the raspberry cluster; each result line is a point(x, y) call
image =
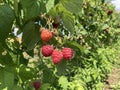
point(48, 50)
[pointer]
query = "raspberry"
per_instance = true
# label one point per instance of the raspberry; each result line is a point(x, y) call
point(46, 35)
point(67, 53)
point(36, 85)
point(57, 56)
point(47, 50)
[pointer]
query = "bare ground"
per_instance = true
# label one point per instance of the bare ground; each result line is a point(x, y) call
point(113, 79)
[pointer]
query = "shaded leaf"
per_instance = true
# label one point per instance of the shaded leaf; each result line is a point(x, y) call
point(26, 73)
point(6, 21)
point(30, 35)
point(61, 67)
point(5, 57)
point(33, 8)
point(48, 76)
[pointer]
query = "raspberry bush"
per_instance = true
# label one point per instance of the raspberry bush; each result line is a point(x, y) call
point(57, 44)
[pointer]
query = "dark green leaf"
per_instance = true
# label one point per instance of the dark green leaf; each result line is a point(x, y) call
point(5, 58)
point(61, 68)
point(68, 21)
point(33, 8)
point(30, 35)
point(26, 73)
point(48, 76)
point(22, 60)
point(74, 6)
point(6, 21)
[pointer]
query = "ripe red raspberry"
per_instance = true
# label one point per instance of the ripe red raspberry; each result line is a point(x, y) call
point(57, 56)
point(46, 35)
point(47, 50)
point(67, 53)
point(36, 85)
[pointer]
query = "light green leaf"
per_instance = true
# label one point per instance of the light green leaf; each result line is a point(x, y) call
point(6, 21)
point(49, 5)
point(74, 6)
point(63, 82)
point(30, 35)
point(105, 26)
point(45, 86)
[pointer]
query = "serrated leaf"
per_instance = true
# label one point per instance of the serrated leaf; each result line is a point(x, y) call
point(63, 82)
point(6, 21)
point(68, 21)
point(49, 74)
point(49, 5)
point(75, 44)
point(73, 6)
point(33, 8)
point(30, 35)
point(61, 68)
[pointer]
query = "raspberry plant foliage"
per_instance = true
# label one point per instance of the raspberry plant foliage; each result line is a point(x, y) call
point(85, 26)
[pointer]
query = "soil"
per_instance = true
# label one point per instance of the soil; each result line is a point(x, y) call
point(113, 79)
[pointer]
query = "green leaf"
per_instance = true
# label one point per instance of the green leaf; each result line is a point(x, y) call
point(105, 26)
point(6, 79)
point(6, 21)
point(63, 82)
point(45, 86)
point(33, 8)
point(73, 6)
point(75, 44)
point(68, 21)
point(26, 73)
point(22, 60)
point(61, 67)
point(49, 5)
point(17, 88)
point(48, 76)
point(30, 35)
point(5, 58)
